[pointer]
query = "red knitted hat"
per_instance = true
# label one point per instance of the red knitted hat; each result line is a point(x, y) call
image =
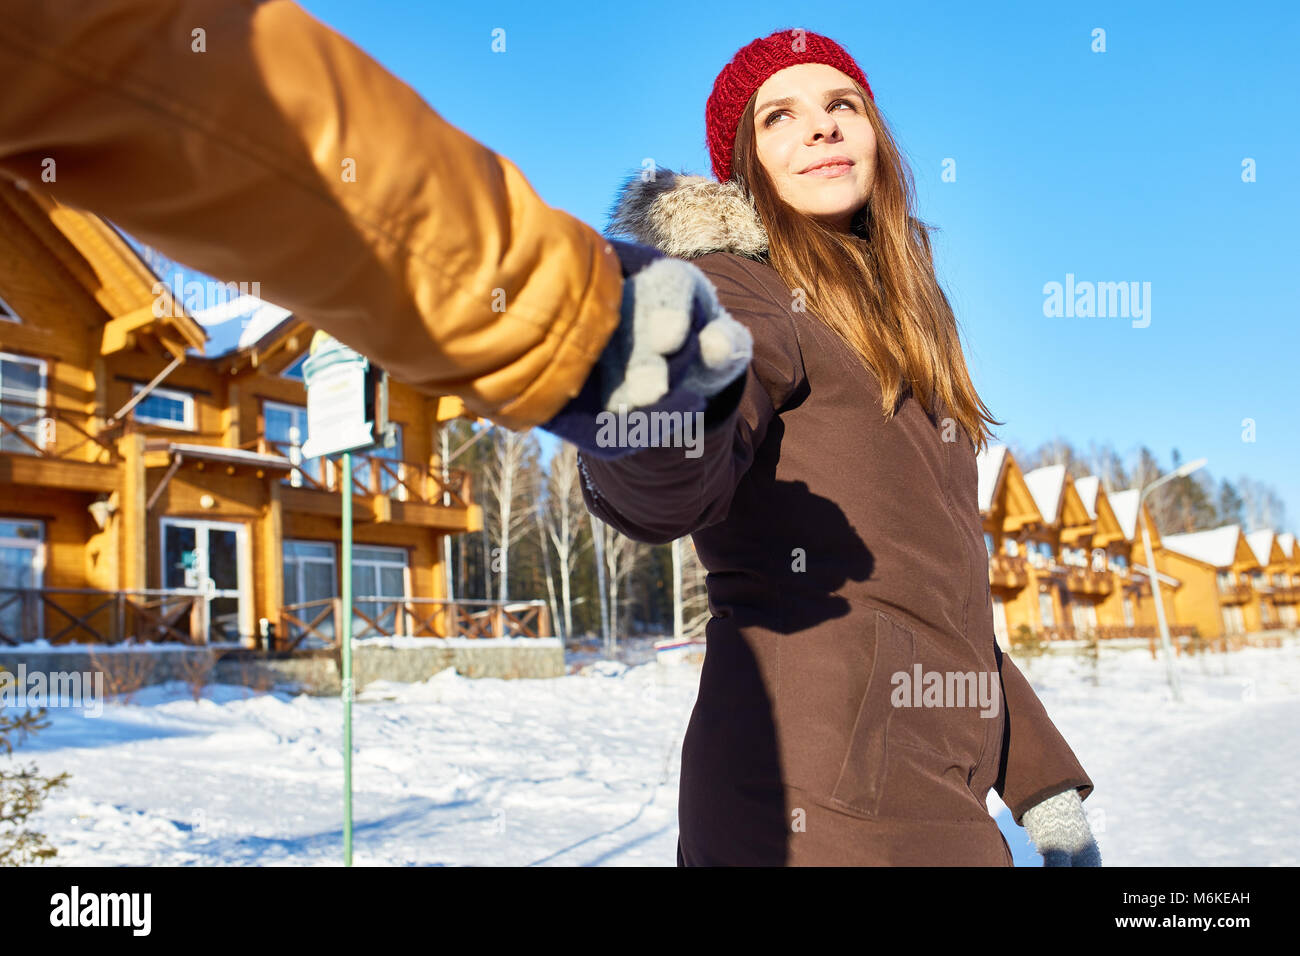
point(749, 69)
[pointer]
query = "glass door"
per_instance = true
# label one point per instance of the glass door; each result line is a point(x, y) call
point(22, 565)
point(210, 557)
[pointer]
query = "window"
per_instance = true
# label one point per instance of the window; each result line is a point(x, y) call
point(1040, 554)
point(1099, 559)
point(22, 404)
point(390, 476)
point(285, 428)
point(310, 575)
point(7, 314)
point(1224, 579)
point(165, 406)
point(22, 565)
point(1012, 547)
point(294, 371)
point(1120, 563)
point(377, 573)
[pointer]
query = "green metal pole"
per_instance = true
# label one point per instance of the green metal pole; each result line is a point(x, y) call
point(346, 629)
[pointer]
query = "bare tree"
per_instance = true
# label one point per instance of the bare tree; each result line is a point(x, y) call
point(1106, 464)
point(539, 510)
point(1262, 508)
point(561, 521)
point(690, 593)
point(617, 556)
point(509, 496)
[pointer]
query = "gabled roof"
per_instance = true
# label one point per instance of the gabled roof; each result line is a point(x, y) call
point(108, 270)
point(1002, 489)
point(1218, 547)
point(1266, 547)
point(1047, 485)
point(989, 462)
point(1125, 505)
point(1087, 487)
point(1097, 503)
point(1287, 542)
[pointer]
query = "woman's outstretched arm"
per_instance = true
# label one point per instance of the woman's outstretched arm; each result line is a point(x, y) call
point(251, 142)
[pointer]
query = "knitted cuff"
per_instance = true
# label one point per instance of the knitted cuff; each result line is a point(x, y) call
point(1060, 831)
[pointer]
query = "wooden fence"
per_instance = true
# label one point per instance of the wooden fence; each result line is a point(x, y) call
point(68, 615)
point(316, 623)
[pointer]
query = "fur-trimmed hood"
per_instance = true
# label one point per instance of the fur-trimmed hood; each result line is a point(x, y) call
point(687, 216)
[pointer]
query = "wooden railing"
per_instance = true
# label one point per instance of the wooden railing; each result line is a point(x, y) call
point(316, 623)
point(45, 431)
point(1088, 581)
point(1107, 632)
point(373, 475)
point(103, 617)
point(1235, 592)
point(1007, 570)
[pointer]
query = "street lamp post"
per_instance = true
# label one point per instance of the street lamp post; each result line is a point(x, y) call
point(1165, 643)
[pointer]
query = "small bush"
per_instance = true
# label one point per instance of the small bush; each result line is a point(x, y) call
point(22, 792)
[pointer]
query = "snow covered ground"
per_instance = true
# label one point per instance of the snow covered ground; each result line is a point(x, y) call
point(583, 770)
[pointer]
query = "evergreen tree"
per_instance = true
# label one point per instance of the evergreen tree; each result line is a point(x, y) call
point(22, 792)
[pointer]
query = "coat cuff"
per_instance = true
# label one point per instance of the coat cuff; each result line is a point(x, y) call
point(1036, 762)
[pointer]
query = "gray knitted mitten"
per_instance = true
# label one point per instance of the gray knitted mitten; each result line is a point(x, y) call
point(1060, 831)
point(664, 305)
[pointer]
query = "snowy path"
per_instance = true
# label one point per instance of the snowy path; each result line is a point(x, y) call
point(583, 770)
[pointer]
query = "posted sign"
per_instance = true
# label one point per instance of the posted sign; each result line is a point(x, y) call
point(344, 399)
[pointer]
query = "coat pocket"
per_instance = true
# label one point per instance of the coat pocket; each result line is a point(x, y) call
point(861, 780)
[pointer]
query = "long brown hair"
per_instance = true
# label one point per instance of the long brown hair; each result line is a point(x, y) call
point(876, 286)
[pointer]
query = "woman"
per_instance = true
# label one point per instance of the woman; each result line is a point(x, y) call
point(834, 506)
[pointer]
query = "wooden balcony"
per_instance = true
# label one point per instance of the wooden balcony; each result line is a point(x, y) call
point(55, 448)
point(403, 492)
point(1006, 571)
point(316, 623)
point(1235, 594)
point(1088, 581)
point(1286, 593)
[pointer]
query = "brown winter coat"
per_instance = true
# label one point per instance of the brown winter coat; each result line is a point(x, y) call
point(841, 550)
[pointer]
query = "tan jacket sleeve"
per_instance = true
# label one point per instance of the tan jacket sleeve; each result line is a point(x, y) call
point(1037, 763)
point(251, 142)
point(659, 494)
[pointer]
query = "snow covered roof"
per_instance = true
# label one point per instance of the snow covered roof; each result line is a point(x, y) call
point(1046, 484)
point(234, 456)
point(989, 462)
point(1216, 547)
point(1087, 487)
point(239, 322)
point(1125, 505)
point(1261, 542)
point(1287, 541)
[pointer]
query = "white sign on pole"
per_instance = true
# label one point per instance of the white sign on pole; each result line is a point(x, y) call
point(338, 387)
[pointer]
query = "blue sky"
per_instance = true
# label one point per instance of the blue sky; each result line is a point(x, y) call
point(1117, 166)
